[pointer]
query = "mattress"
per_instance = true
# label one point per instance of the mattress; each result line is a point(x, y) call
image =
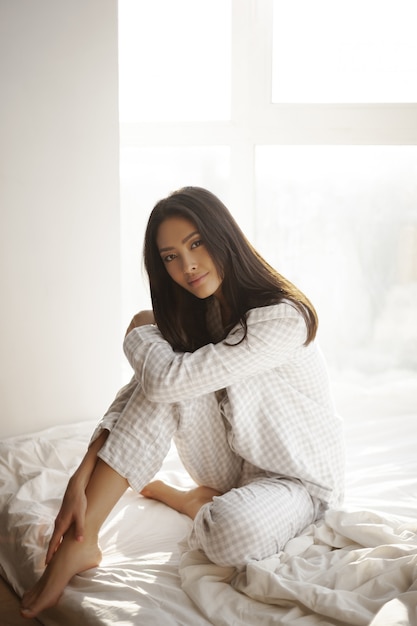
point(357, 566)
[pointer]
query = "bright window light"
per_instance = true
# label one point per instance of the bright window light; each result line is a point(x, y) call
point(174, 60)
point(341, 223)
point(351, 51)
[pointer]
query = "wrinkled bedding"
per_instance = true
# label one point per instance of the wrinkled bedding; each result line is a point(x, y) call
point(357, 566)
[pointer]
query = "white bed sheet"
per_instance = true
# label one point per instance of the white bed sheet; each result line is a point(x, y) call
point(358, 567)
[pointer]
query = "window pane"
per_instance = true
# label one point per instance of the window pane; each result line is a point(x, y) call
point(174, 60)
point(147, 175)
point(351, 51)
point(341, 223)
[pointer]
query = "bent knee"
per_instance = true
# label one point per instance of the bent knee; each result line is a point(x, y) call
point(251, 522)
point(223, 535)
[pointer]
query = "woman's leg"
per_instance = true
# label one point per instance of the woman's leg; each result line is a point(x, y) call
point(187, 502)
point(248, 523)
point(240, 512)
point(72, 557)
point(254, 521)
point(131, 455)
point(203, 446)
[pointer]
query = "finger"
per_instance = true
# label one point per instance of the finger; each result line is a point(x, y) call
point(53, 545)
point(60, 528)
point(79, 527)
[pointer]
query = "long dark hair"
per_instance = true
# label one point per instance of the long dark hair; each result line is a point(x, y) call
point(248, 280)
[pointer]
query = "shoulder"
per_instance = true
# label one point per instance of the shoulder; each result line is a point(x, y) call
point(275, 321)
point(285, 310)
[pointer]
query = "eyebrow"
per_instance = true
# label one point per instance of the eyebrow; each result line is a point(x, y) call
point(195, 232)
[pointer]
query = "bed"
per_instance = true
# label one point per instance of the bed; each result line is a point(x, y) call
point(358, 566)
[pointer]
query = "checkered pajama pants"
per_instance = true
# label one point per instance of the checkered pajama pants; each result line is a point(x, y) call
point(257, 513)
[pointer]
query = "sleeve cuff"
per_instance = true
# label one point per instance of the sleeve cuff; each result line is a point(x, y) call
point(106, 423)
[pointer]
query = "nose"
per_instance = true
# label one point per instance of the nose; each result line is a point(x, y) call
point(189, 264)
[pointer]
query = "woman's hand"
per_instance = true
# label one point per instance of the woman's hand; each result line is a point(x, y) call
point(74, 504)
point(72, 512)
point(141, 319)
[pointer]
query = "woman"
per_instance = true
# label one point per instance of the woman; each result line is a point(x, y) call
point(226, 364)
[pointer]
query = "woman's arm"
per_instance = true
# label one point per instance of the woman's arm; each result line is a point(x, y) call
point(275, 334)
point(123, 396)
point(142, 318)
point(74, 503)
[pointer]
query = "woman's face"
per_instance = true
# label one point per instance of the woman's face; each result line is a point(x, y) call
point(186, 258)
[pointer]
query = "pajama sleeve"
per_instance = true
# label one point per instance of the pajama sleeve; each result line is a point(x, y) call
point(275, 334)
point(115, 409)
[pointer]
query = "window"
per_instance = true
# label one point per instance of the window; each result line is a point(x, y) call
point(319, 173)
point(343, 221)
point(339, 52)
point(175, 60)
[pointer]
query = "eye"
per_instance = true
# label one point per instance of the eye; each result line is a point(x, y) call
point(169, 257)
point(196, 243)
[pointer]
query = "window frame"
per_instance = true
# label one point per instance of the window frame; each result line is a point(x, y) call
point(255, 120)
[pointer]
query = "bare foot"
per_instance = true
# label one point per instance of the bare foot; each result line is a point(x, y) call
point(72, 557)
point(187, 502)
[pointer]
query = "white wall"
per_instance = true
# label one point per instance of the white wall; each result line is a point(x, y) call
point(59, 212)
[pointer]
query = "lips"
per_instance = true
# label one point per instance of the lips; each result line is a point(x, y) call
point(197, 280)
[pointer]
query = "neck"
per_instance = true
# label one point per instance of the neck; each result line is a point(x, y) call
point(225, 309)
